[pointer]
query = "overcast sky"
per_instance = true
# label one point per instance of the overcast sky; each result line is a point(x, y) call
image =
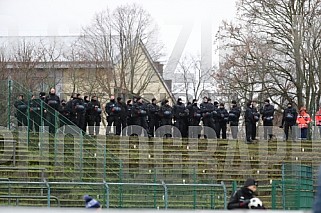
point(66, 17)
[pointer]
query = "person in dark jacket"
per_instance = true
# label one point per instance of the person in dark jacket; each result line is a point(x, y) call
point(35, 113)
point(256, 118)
point(267, 112)
point(123, 113)
point(249, 122)
point(180, 117)
point(64, 114)
point(222, 121)
point(113, 111)
point(88, 106)
point(289, 120)
point(207, 110)
point(79, 109)
point(195, 116)
point(234, 117)
point(21, 112)
point(166, 115)
point(94, 116)
point(130, 119)
point(53, 104)
point(69, 107)
point(153, 117)
point(91, 202)
point(140, 112)
point(241, 198)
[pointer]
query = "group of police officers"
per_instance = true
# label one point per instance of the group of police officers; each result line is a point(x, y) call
point(85, 112)
point(49, 111)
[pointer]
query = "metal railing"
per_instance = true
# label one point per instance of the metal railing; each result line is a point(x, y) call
point(106, 203)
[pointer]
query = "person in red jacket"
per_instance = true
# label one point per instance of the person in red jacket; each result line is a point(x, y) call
point(303, 121)
point(318, 119)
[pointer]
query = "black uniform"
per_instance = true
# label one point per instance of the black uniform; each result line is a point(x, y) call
point(222, 122)
point(113, 111)
point(88, 108)
point(64, 117)
point(21, 112)
point(72, 114)
point(251, 117)
point(289, 120)
point(35, 114)
point(166, 116)
point(123, 115)
point(130, 118)
point(267, 113)
point(207, 110)
point(79, 109)
point(240, 199)
point(94, 117)
point(140, 113)
point(53, 104)
point(234, 117)
point(153, 118)
point(194, 119)
point(181, 118)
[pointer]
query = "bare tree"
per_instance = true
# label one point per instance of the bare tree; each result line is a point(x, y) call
point(25, 57)
point(274, 51)
point(194, 79)
point(116, 42)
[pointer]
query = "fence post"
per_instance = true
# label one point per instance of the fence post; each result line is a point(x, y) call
point(225, 195)
point(48, 193)
point(212, 198)
point(107, 195)
point(165, 194)
point(155, 194)
point(121, 186)
point(194, 191)
point(234, 186)
point(81, 157)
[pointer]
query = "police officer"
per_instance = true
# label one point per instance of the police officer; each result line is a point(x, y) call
point(289, 120)
point(267, 112)
point(130, 119)
point(94, 116)
point(166, 116)
point(241, 198)
point(88, 108)
point(123, 114)
point(153, 117)
point(249, 122)
point(222, 121)
point(194, 116)
point(53, 103)
point(113, 111)
point(256, 118)
point(21, 112)
point(35, 113)
point(140, 111)
point(64, 114)
point(181, 117)
point(80, 111)
point(72, 113)
point(234, 117)
point(207, 110)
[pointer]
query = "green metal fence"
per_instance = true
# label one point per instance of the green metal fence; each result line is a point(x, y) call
point(142, 195)
point(296, 189)
point(69, 150)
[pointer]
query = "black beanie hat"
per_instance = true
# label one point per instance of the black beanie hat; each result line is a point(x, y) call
point(250, 182)
point(41, 94)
